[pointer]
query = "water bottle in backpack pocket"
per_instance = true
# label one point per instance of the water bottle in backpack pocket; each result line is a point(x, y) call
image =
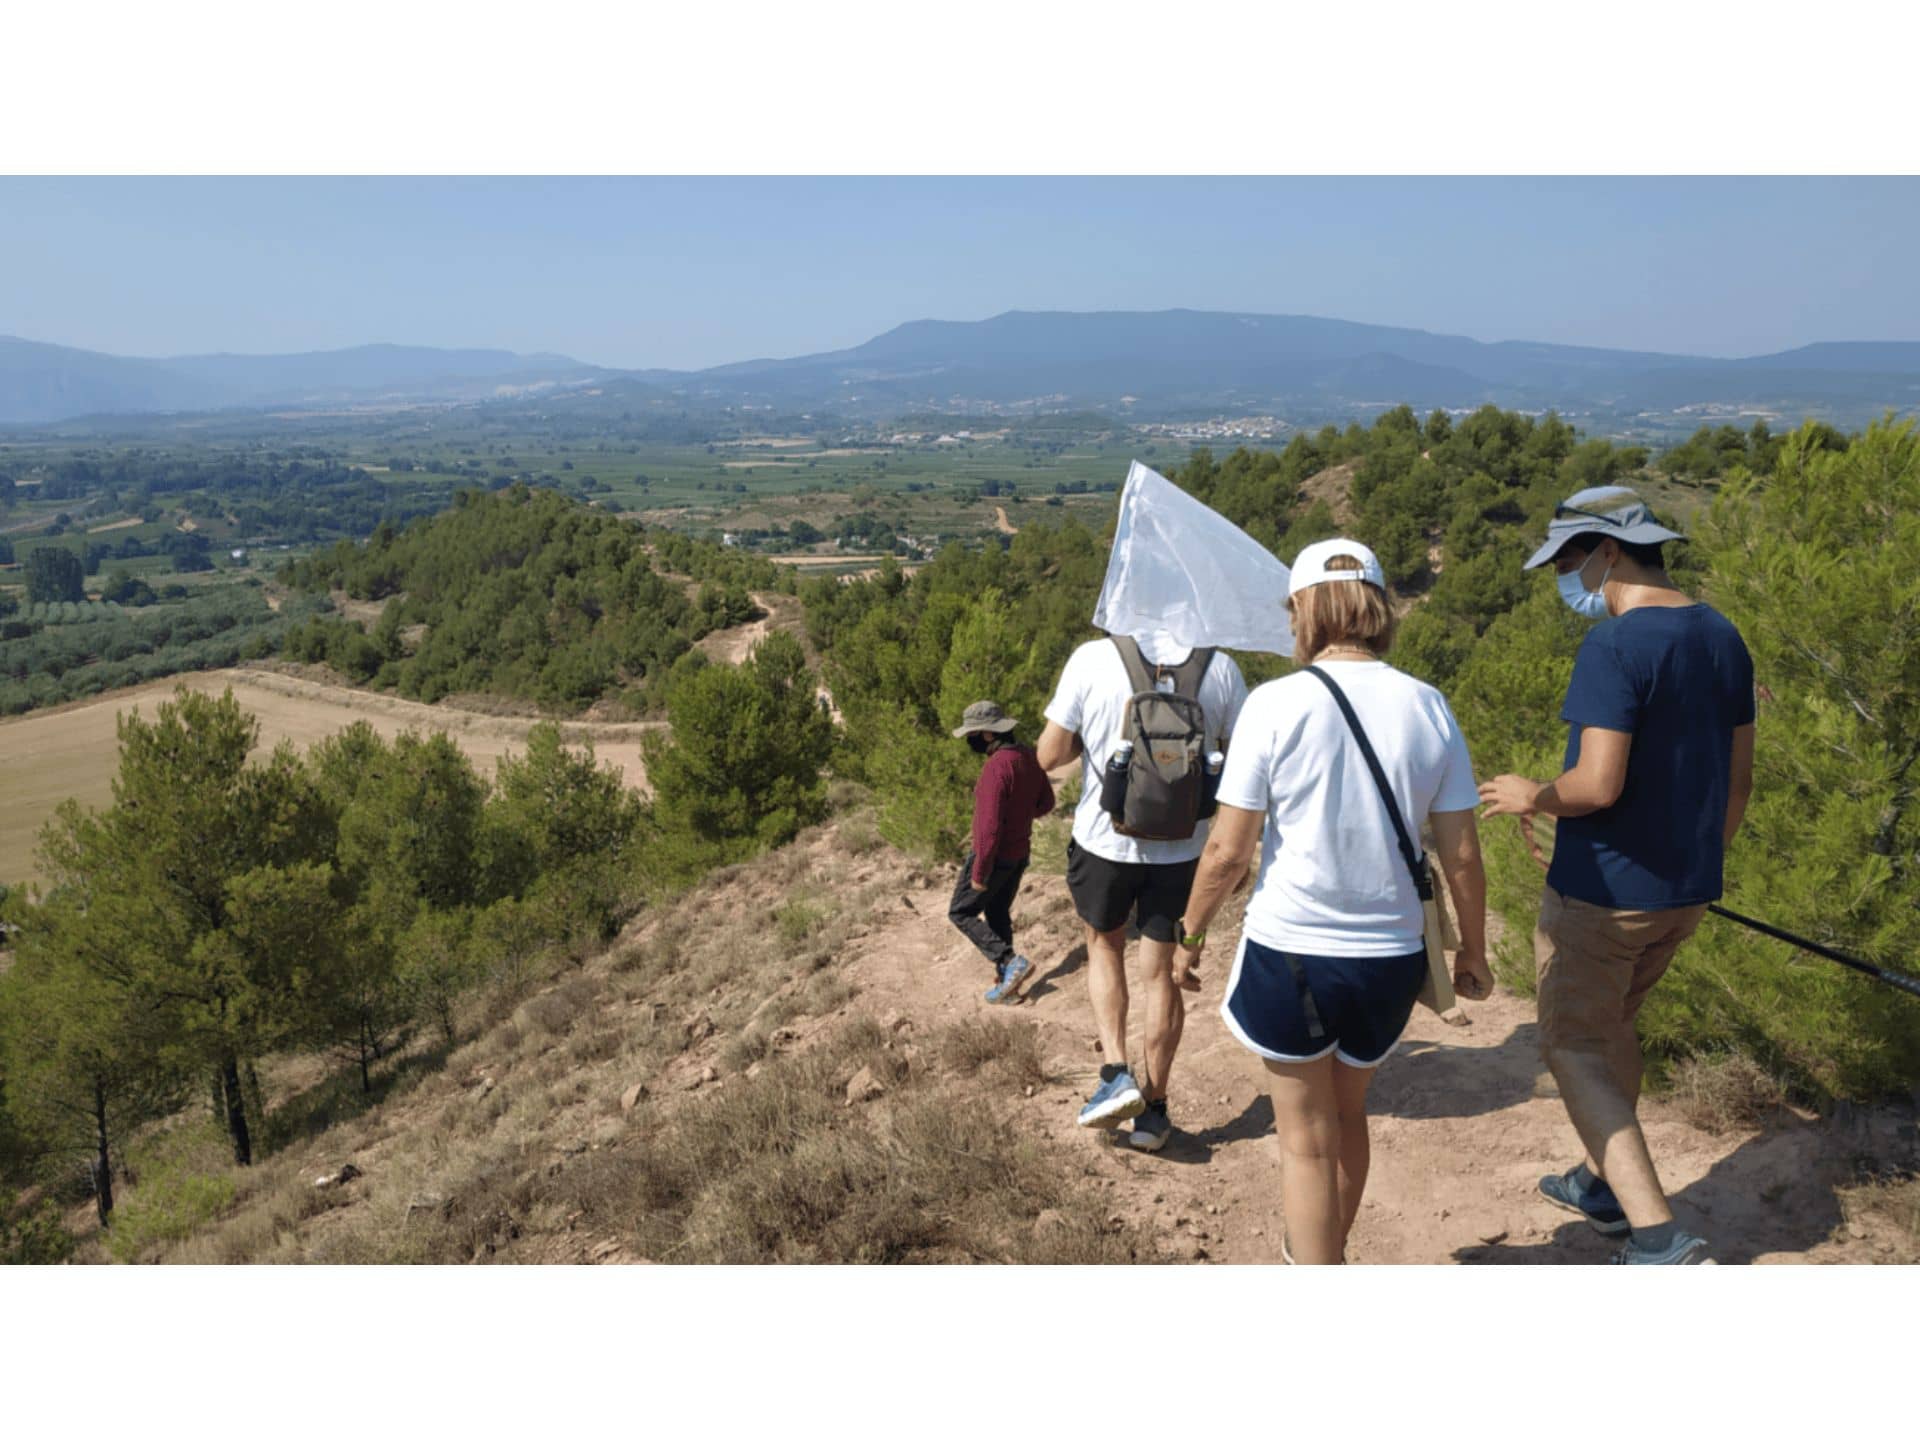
point(1210, 786)
point(1113, 780)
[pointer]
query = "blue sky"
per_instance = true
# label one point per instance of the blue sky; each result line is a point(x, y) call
point(693, 272)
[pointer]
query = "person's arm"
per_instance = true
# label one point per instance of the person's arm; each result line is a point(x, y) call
point(1594, 783)
point(1740, 782)
point(1057, 747)
point(1231, 841)
point(1043, 797)
point(1457, 847)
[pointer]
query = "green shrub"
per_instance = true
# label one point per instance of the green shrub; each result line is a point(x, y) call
point(183, 1184)
point(796, 920)
point(33, 1236)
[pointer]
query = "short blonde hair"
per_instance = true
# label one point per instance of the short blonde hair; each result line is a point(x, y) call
point(1340, 612)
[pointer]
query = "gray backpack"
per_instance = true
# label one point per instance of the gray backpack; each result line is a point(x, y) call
point(1163, 794)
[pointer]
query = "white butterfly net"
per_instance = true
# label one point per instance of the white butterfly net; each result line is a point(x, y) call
point(1183, 575)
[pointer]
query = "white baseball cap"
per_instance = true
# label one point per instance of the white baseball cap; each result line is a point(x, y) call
point(1310, 568)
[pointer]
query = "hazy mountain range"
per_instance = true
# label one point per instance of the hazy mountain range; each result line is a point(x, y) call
point(1139, 363)
point(40, 382)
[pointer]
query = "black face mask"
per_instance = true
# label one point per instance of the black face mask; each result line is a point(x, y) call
point(979, 742)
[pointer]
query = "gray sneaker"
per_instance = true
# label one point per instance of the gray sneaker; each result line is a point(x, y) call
point(1685, 1250)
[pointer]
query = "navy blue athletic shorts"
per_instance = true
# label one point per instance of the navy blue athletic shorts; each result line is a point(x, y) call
point(1363, 1001)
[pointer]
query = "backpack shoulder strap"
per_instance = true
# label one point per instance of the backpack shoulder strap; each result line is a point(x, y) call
point(1189, 673)
point(1136, 663)
point(1422, 877)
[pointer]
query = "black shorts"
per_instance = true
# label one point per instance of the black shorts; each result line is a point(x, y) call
point(1364, 1002)
point(1104, 891)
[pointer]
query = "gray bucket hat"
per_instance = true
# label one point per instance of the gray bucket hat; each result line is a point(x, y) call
point(1609, 511)
point(984, 715)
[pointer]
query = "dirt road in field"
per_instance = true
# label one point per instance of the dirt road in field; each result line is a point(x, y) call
point(1465, 1121)
point(733, 645)
point(47, 756)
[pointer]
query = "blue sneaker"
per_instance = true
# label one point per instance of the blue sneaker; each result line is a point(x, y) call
point(1685, 1249)
point(1015, 973)
point(1117, 1099)
point(1594, 1204)
point(1151, 1128)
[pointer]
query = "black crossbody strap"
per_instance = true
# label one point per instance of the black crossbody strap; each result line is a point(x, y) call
point(1416, 863)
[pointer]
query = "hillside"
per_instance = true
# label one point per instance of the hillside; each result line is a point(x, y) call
point(826, 1086)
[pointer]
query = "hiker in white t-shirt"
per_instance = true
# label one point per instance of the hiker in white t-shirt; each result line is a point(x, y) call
point(1333, 957)
point(1111, 875)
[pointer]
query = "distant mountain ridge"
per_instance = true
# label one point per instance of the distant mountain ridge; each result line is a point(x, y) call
point(1191, 359)
point(1136, 363)
point(41, 382)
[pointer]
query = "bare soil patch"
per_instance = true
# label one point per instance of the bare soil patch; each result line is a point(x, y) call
point(1335, 486)
point(367, 612)
point(126, 524)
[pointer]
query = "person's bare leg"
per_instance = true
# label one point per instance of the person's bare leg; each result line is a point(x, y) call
point(1307, 1116)
point(1350, 1084)
point(1627, 1066)
point(1107, 990)
point(1603, 1116)
point(1166, 1017)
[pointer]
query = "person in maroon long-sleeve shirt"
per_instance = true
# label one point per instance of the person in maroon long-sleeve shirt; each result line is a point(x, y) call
point(1012, 792)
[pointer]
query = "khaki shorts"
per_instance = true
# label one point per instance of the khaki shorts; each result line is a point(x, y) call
point(1595, 967)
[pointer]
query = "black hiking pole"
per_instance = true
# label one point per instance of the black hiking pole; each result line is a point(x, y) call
point(1894, 978)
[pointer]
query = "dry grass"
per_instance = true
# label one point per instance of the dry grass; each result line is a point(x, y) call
point(797, 921)
point(1886, 1197)
point(782, 1168)
point(1719, 1093)
point(859, 835)
point(1009, 1050)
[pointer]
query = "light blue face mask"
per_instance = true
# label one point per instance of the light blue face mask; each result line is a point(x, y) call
point(1587, 604)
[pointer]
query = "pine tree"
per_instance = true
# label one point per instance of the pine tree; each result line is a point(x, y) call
point(158, 869)
point(87, 1061)
point(1818, 564)
point(741, 768)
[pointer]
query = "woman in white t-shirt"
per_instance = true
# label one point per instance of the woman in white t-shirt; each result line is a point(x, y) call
point(1332, 958)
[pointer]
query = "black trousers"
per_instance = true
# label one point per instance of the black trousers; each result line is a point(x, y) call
point(986, 916)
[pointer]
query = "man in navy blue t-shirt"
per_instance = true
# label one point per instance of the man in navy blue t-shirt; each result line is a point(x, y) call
point(1658, 770)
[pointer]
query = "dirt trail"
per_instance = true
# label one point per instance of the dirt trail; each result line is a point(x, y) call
point(1002, 523)
point(1465, 1121)
point(732, 645)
